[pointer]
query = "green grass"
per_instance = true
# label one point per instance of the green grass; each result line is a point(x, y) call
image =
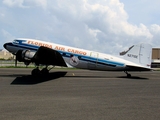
point(16, 67)
point(67, 68)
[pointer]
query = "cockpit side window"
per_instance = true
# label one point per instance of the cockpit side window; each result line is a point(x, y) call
point(15, 41)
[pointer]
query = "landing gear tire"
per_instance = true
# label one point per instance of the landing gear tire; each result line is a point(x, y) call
point(35, 72)
point(44, 71)
point(128, 75)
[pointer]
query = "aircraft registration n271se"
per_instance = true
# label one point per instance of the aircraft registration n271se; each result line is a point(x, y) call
point(136, 58)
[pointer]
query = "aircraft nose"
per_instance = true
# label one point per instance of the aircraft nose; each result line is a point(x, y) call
point(6, 44)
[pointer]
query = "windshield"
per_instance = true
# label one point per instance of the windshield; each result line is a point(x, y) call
point(15, 41)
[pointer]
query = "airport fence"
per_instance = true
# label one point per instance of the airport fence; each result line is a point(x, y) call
point(11, 63)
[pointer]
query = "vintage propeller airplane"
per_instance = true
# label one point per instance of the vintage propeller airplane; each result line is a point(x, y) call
point(137, 58)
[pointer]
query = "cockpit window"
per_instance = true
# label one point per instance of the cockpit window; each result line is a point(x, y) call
point(15, 41)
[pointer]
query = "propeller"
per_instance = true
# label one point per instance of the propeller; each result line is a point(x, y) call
point(25, 56)
point(16, 61)
point(18, 57)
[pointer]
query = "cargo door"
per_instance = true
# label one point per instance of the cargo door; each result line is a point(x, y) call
point(92, 63)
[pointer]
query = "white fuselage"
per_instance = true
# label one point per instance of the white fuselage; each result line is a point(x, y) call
point(75, 57)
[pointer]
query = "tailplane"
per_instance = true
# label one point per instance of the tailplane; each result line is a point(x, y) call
point(140, 54)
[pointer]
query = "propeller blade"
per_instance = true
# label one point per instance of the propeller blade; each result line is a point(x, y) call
point(16, 62)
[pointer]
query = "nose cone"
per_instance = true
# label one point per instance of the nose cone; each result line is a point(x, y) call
point(10, 47)
point(6, 44)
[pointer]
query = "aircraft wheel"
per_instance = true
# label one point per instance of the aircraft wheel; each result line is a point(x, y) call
point(35, 72)
point(129, 75)
point(44, 71)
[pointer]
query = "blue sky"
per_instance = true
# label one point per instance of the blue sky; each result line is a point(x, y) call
point(108, 26)
point(142, 11)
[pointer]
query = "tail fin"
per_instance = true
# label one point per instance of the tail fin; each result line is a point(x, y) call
point(140, 54)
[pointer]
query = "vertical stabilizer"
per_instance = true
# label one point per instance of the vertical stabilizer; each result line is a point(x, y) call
point(140, 54)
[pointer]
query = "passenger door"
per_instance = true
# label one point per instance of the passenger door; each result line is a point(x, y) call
point(92, 64)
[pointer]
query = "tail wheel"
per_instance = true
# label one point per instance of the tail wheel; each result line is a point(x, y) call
point(128, 75)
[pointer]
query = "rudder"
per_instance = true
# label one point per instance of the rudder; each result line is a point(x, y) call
point(140, 54)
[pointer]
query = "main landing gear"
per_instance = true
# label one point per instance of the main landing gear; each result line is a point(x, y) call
point(38, 72)
point(128, 75)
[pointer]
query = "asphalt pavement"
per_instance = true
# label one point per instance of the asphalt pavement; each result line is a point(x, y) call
point(71, 94)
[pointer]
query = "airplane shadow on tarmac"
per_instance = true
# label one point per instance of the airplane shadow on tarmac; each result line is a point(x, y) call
point(134, 77)
point(107, 77)
point(30, 80)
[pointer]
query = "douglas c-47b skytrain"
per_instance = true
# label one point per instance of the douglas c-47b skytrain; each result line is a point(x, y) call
point(137, 58)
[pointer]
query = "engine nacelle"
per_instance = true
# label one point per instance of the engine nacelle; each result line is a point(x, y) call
point(43, 56)
point(25, 55)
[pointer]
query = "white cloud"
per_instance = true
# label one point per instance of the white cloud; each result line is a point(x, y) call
point(90, 24)
point(155, 31)
point(38, 3)
point(12, 3)
point(25, 3)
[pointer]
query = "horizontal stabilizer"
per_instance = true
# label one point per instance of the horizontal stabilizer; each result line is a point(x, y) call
point(137, 68)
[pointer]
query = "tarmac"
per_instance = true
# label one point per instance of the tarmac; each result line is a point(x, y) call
point(71, 94)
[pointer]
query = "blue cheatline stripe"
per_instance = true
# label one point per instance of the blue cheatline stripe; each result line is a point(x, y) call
point(92, 59)
point(81, 57)
point(111, 62)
